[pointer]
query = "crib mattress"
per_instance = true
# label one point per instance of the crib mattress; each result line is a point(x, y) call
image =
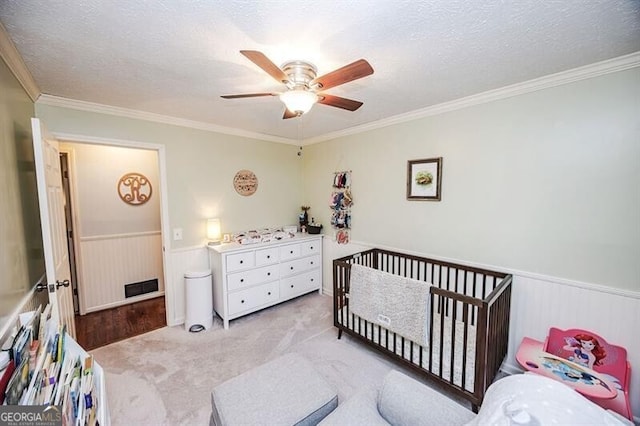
point(439, 364)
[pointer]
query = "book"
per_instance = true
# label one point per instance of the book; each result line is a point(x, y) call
point(45, 322)
point(67, 372)
point(4, 380)
point(19, 347)
point(17, 383)
point(87, 395)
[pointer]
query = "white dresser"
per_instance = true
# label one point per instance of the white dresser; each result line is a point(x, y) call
point(247, 278)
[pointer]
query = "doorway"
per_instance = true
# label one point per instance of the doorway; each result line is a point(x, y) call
point(114, 245)
point(64, 168)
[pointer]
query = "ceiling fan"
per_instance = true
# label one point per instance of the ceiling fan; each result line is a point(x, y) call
point(304, 88)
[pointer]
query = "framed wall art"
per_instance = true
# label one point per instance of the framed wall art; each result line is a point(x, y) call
point(424, 179)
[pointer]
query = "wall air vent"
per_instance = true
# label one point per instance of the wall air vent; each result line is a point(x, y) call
point(142, 287)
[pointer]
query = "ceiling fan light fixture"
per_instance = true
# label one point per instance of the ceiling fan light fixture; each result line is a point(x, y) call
point(299, 101)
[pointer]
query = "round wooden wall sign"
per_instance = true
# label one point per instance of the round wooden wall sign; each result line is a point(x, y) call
point(134, 189)
point(245, 182)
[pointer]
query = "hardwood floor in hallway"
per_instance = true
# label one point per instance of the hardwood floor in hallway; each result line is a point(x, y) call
point(100, 328)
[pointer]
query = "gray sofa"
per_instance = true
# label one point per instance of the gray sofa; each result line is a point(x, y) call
point(401, 401)
point(521, 399)
point(289, 391)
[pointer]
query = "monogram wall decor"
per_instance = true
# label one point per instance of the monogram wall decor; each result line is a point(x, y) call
point(134, 189)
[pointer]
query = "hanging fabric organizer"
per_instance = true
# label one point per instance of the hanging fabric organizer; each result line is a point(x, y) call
point(340, 202)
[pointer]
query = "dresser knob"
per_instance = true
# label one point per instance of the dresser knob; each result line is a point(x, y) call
point(311, 247)
point(242, 301)
point(291, 252)
point(268, 256)
point(312, 262)
point(311, 279)
point(268, 274)
point(241, 262)
point(269, 294)
point(241, 280)
point(292, 268)
point(291, 285)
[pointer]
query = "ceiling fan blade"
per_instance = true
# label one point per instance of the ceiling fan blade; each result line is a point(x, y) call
point(338, 102)
point(353, 71)
point(265, 63)
point(248, 95)
point(288, 114)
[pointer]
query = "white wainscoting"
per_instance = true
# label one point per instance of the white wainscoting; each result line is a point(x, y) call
point(107, 262)
point(539, 302)
point(184, 260)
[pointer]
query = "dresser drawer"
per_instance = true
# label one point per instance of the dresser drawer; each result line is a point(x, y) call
point(290, 251)
point(253, 297)
point(299, 284)
point(267, 256)
point(310, 247)
point(251, 277)
point(297, 266)
point(236, 262)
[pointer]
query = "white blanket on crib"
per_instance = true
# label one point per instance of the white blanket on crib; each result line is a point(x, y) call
point(396, 303)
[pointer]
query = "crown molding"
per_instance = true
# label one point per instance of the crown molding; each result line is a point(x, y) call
point(156, 118)
point(16, 64)
point(565, 77)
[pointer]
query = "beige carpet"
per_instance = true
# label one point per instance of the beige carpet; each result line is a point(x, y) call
point(165, 377)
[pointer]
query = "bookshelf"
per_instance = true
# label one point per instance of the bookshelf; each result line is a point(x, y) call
point(48, 368)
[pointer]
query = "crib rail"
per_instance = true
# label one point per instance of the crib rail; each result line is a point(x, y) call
point(496, 344)
point(468, 327)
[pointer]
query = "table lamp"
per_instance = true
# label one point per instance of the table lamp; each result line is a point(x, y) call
point(213, 231)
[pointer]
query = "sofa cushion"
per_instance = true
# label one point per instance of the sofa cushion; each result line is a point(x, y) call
point(285, 391)
point(403, 401)
point(359, 410)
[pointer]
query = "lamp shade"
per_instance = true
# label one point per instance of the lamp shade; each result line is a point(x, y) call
point(298, 101)
point(213, 229)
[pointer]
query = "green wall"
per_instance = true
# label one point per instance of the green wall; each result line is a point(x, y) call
point(200, 167)
point(546, 183)
point(21, 260)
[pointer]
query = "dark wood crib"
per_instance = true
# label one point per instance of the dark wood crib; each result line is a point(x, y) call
point(468, 327)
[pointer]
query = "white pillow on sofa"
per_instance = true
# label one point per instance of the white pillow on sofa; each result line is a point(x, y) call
point(530, 399)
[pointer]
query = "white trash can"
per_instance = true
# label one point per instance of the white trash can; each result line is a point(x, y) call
point(198, 301)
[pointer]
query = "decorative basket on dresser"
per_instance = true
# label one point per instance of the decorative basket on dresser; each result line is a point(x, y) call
point(247, 278)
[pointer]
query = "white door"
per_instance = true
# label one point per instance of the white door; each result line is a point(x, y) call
point(54, 228)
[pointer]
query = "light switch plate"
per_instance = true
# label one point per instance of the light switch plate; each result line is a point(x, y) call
point(177, 234)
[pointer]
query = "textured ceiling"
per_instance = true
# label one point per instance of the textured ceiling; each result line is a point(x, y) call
point(176, 58)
